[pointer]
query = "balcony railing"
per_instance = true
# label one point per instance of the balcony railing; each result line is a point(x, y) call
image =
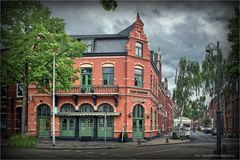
point(97, 89)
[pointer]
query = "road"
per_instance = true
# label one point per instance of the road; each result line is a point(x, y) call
point(201, 147)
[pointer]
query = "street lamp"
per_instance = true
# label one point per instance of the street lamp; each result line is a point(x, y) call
point(42, 36)
point(212, 49)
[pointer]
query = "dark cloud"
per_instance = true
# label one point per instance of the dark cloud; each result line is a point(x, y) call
point(178, 28)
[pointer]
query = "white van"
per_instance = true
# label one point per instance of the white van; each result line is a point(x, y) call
point(185, 126)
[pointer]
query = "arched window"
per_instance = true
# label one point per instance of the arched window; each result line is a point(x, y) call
point(86, 108)
point(43, 110)
point(67, 108)
point(105, 108)
point(43, 120)
point(138, 111)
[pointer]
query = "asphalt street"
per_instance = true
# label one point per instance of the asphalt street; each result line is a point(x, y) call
point(201, 147)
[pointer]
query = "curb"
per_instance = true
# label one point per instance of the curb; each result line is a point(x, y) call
point(162, 144)
point(61, 148)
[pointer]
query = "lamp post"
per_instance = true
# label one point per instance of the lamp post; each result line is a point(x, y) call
point(42, 36)
point(210, 48)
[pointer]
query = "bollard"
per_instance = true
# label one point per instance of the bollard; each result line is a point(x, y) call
point(167, 141)
point(139, 142)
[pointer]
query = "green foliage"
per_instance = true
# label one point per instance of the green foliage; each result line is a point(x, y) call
point(207, 122)
point(31, 37)
point(232, 68)
point(197, 107)
point(209, 69)
point(109, 5)
point(188, 82)
point(22, 141)
point(22, 23)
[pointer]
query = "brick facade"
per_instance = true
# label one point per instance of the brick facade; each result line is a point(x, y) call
point(230, 114)
point(123, 96)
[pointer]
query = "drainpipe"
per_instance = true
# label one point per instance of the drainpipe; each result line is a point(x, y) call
point(125, 105)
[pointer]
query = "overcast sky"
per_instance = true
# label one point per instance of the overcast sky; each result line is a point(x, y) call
point(178, 28)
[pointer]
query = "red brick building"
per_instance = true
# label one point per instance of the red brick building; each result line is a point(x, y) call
point(119, 90)
point(230, 114)
point(11, 108)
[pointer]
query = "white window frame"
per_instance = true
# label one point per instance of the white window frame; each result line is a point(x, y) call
point(17, 88)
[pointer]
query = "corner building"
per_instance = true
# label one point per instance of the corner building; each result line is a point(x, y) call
point(120, 79)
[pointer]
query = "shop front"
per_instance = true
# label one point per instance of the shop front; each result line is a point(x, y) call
point(87, 123)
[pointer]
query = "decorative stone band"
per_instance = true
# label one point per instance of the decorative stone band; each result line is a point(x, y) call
point(79, 114)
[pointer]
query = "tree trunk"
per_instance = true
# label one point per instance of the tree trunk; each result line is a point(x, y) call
point(25, 100)
point(24, 106)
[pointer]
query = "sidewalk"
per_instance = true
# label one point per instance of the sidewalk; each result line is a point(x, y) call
point(76, 144)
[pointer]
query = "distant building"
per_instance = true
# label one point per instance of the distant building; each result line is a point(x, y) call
point(230, 114)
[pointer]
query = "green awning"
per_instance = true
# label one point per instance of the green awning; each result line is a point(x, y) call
point(79, 114)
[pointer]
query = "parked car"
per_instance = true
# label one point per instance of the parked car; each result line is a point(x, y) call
point(214, 131)
point(207, 130)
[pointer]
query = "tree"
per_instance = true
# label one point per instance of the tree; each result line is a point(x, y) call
point(197, 107)
point(232, 68)
point(188, 82)
point(28, 56)
point(207, 121)
point(109, 5)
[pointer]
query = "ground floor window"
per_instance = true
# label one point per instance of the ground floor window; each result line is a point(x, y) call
point(88, 125)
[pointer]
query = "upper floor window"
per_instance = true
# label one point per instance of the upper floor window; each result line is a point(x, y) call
point(138, 49)
point(89, 46)
point(108, 75)
point(19, 91)
point(3, 91)
point(138, 77)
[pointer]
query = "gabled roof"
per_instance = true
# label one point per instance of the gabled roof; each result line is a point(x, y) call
point(126, 31)
point(122, 34)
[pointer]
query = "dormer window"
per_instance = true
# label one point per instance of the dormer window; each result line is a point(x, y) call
point(138, 49)
point(89, 45)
